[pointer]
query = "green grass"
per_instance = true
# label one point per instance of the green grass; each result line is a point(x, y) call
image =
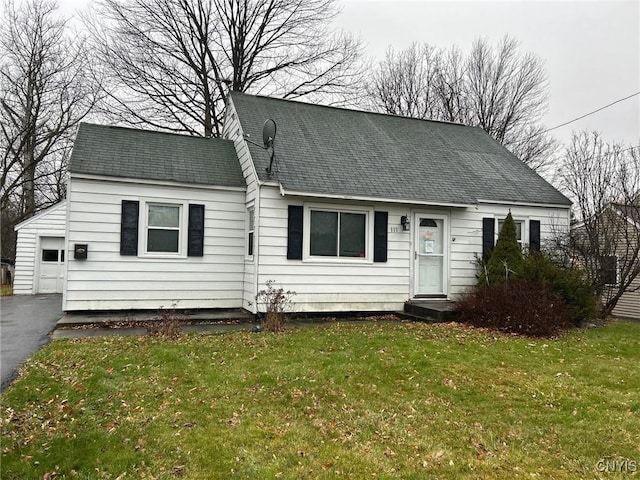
point(384, 400)
point(6, 290)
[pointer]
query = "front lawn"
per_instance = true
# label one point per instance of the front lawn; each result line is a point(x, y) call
point(386, 400)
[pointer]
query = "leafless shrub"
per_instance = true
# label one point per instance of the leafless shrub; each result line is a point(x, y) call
point(167, 324)
point(276, 302)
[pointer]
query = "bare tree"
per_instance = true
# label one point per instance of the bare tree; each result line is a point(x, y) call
point(507, 95)
point(603, 180)
point(495, 88)
point(405, 83)
point(45, 93)
point(450, 87)
point(170, 64)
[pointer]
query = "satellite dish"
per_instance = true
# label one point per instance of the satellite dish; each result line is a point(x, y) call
point(269, 133)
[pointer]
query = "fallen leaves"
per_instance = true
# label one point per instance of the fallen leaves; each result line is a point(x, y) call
point(363, 399)
point(234, 420)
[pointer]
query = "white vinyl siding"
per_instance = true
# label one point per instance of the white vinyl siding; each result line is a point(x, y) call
point(107, 280)
point(50, 223)
point(466, 235)
point(629, 304)
point(233, 131)
point(335, 285)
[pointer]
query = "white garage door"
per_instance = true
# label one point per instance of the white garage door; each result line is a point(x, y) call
point(51, 268)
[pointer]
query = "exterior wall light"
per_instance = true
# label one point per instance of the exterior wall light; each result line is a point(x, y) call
point(405, 222)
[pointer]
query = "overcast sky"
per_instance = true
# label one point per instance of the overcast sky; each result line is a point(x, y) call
point(591, 49)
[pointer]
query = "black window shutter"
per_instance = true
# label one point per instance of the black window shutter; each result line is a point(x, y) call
point(129, 227)
point(380, 221)
point(488, 235)
point(195, 244)
point(534, 235)
point(294, 232)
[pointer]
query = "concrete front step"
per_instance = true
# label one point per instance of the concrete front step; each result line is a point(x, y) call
point(430, 310)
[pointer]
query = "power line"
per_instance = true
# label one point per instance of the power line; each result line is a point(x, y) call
point(614, 152)
point(591, 113)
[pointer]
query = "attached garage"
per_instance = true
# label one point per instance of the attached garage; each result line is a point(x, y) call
point(51, 265)
point(40, 252)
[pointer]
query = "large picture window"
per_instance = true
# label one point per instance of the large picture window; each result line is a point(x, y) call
point(337, 234)
point(163, 228)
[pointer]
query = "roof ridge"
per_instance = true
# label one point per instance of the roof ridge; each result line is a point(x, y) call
point(355, 110)
point(159, 132)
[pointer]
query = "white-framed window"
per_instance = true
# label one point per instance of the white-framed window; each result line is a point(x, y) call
point(251, 221)
point(520, 230)
point(163, 228)
point(338, 233)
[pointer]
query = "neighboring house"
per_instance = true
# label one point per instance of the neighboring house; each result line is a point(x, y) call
point(40, 252)
point(608, 246)
point(358, 211)
point(628, 305)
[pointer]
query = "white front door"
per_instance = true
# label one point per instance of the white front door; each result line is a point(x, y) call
point(431, 247)
point(51, 265)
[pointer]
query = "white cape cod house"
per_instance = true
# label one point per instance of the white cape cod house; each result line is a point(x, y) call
point(353, 211)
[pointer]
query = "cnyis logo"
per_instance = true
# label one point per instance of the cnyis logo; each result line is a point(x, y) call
point(615, 465)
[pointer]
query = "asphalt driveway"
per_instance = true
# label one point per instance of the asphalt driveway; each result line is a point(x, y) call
point(25, 324)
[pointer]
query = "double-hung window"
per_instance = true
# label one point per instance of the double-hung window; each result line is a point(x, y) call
point(163, 228)
point(155, 228)
point(519, 230)
point(335, 233)
point(250, 230)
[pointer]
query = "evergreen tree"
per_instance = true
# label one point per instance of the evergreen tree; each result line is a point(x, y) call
point(506, 260)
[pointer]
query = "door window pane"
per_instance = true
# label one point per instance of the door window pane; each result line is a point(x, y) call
point(324, 233)
point(49, 255)
point(431, 236)
point(352, 234)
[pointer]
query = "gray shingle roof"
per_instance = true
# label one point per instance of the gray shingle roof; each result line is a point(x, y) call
point(132, 153)
point(333, 151)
